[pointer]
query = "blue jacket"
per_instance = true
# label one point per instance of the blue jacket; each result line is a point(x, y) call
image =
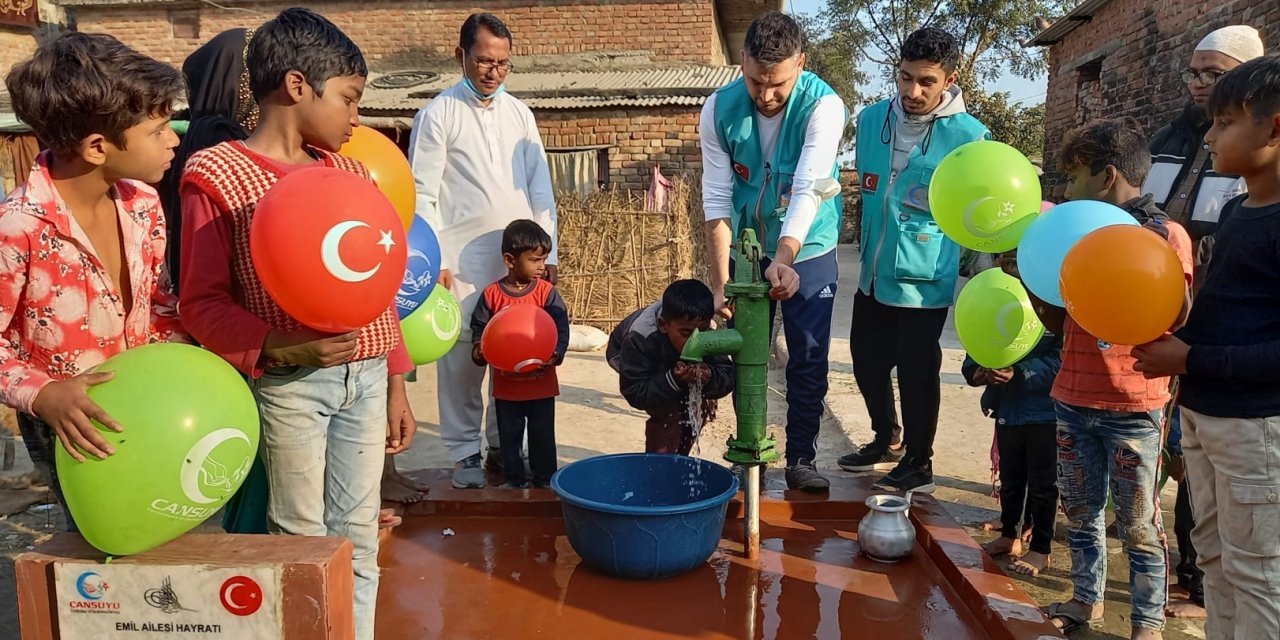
point(905, 256)
point(1024, 399)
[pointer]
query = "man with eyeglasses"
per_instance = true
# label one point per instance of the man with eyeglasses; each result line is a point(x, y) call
point(1183, 182)
point(478, 164)
point(1182, 179)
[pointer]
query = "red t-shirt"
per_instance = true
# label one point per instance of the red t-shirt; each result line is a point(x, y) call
point(508, 385)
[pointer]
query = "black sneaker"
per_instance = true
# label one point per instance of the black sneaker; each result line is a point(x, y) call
point(805, 477)
point(493, 460)
point(908, 476)
point(871, 457)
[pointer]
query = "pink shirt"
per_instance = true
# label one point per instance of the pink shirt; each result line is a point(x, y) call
point(61, 311)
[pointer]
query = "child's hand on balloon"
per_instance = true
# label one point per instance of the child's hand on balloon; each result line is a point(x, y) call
point(1164, 357)
point(310, 348)
point(1000, 376)
point(477, 356)
point(66, 407)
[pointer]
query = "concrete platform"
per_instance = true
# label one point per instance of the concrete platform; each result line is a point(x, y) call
point(496, 564)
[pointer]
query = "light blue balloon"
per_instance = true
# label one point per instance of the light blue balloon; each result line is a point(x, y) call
point(421, 269)
point(1049, 237)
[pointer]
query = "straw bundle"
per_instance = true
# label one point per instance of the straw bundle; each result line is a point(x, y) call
point(616, 257)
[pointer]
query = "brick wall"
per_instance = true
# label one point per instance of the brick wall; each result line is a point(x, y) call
point(396, 34)
point(16, 44)
point(1141, 46)
point(666, 136)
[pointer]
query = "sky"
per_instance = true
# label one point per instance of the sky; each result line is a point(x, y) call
point(1029, 92)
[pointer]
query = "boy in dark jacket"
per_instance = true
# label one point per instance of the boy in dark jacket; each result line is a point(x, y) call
point(645, 351)
point(1017, 397)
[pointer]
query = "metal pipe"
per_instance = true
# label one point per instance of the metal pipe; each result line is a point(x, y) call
point(751, 512)
point(748, 343)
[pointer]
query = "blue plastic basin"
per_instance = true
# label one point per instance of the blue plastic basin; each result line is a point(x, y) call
point(642, 515)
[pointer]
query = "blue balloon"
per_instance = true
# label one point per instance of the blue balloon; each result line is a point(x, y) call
point(1049, 237)
point(421, 269)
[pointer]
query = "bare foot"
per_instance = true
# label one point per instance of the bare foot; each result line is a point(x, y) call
point(1140, 633)
point(395, 492)
point(1003, 546)
point(1030, 564)
point(401, 479)
point(1185, 609)
point(993, 524)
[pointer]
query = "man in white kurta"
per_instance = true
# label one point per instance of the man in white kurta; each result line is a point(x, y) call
point(478, 164)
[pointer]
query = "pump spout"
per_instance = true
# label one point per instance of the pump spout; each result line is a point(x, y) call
point(721, 342)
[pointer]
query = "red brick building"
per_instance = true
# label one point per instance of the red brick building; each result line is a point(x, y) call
point(616, 85)
point(1110, 58)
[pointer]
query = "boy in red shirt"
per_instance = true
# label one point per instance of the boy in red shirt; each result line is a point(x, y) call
point(330, 404)
point(1109, 415)
point(521, 397)
point(82, 274)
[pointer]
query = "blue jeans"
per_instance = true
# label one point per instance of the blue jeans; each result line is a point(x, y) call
point(1097, 450)
point(323, 441)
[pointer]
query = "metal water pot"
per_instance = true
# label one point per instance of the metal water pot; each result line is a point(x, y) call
point(886, 533)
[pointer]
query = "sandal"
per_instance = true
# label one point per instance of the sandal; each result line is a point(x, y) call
point(1070, 621)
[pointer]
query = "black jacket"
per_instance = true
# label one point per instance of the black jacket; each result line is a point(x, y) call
point(1173, 151)
point(644, 358)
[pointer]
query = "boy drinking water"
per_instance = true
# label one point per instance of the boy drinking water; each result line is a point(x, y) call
point(645, 351)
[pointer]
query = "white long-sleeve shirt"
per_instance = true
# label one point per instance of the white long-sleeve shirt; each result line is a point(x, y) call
point(476, 169)
point(821, 146)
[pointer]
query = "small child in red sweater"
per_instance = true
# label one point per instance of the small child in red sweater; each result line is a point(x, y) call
point(531, 396)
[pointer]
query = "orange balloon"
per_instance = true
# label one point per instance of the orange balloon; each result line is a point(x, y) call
point(388, 166)
point(1123, 284)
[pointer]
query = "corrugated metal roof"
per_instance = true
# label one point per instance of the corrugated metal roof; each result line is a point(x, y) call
point(1083, 13)
point(685, 85)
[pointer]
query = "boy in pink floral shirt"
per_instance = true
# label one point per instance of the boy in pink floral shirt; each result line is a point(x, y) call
point(82, 243)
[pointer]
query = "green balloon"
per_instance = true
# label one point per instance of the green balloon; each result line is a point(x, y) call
point(984, 194)
point(995, 320)
point(433, 328)
point(190, 435)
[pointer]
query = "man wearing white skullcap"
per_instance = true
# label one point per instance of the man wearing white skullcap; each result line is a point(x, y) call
point(1183, 182)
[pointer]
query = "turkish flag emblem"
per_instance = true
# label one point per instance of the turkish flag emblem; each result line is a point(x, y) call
point(870, 181)
point(742, 171)
point(240, 596)
point(329, 247)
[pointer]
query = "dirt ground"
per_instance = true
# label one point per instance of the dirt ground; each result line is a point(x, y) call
point(592, 418)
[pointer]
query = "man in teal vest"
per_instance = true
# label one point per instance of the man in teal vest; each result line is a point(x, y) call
point(769, 139)
point(908, 267)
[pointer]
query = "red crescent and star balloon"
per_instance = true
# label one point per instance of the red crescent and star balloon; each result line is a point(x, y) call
point(329, 248)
